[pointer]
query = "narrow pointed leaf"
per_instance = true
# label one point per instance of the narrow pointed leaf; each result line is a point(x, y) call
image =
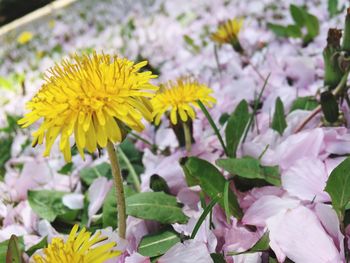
point(236, 126)
point(279, 121)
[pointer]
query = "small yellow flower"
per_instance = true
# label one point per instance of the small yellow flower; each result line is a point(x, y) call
point(227, 32)
point(179, 98)
point(79, 248)
point(24, 37)
point(90, 97)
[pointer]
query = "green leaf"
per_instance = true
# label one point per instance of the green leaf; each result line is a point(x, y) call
point(4, 246)
point(212, 182)
point(158, 184)
point(41, 244)
point(190, 42)
point(89, 174)
point(338, 187)
point(217, 258)
point(262, 244)
point(236, 126)
point(329, 106)
point(133, 156)
point(47, 203)
point(213, 125)
point(293, 31)
point(156, 206)
point(298, 15)
point(5, 153)
point(304, 103)
point(191, 180)
point(66, 169)
point(250, 168)
point(157, 244)
point(279, 122)
point(279, 30)
point(109, 209)
point(14, 252)
point(332, 7)
point(312, 26)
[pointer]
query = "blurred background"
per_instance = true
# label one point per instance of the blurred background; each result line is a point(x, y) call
point(13, 9)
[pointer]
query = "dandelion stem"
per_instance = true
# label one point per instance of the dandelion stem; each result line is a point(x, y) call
point(131, 169)
point(119, 189)
point(188, 139)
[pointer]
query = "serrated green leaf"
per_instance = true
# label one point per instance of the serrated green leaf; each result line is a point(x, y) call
point(212, 182)
point(236, 126)
point(298, 15)
point(47, 203)
point(329, 106)
point(156, 206)
point(279, 121)
point(157, 244)
point(304, 103)
point(338, 187)
point(250, 168)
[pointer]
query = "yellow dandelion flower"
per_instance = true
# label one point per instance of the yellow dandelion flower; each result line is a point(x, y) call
point(179, 98)
point(79, 248)
point(24, 37)
point(227, 33)
point(90, 97)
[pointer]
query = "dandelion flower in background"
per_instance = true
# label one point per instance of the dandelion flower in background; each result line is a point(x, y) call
point(24, 37)
point(227, 33)
point(79, 248)
point(179, 98)
point(90, 96)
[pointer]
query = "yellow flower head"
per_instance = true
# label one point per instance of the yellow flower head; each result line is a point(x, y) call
point(24, 37)
point(90, 97)
point(179, 98)
point(227, 32)
point(79, 248)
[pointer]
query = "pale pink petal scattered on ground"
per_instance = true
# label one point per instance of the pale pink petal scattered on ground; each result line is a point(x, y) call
point(187, 252)
point(73, 201)
point(97, 194)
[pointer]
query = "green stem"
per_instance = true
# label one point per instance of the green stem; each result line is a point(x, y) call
point(204, 215)
point(119, 189)
point(213, 125)
point(188, 137)
point(131, 169)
